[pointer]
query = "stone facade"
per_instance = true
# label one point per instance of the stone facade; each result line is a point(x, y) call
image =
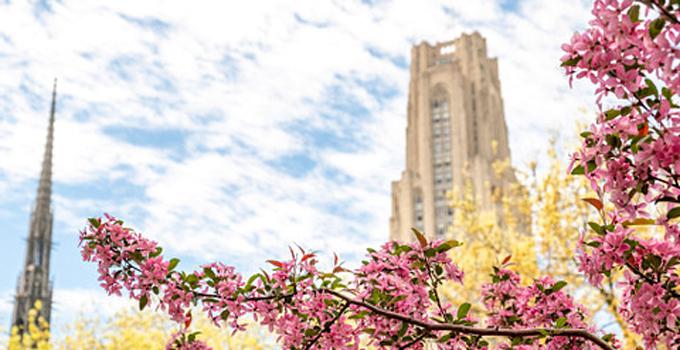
point(34, 282)
point(456, 129)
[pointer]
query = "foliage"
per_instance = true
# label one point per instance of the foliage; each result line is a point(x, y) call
point(537, 221)
point(490, 234)
point(129, 329)
point(391, 301)
point(631, 157)
point(37, 336)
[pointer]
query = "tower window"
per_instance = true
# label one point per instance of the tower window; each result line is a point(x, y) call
point(441, 159)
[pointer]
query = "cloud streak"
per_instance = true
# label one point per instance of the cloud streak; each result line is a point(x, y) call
point(231, 132)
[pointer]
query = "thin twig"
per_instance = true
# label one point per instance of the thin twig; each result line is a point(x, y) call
point(664, 11)
point(650, 280)
point(414, 341)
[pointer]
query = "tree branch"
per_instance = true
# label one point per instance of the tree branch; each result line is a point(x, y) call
point(430, 326)
point(663, 10)
point(434, 286)
point(650, 280)
point(414, 341)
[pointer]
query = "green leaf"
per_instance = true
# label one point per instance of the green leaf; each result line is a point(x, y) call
point(191, 279)
point(173, 263)
point(192, 336)
point(571, 62)
point(656, 26)
point(444, 338)
point(634, 13)
point(561, 322)
point(613, 140)
point(158, 252)
point(596, 227)
point(402, 330)
point(594, 244)
point(611, 114)
point(652, 87)
point(463, 310)
point(368, 330)
point(579, 170)
point(673, 213)
point(94, 222)
point(666, 92)
point(142, 302)
point(557, 286)
point(448, 245)
point(586, 134)
point(359, 315)
point(209, 273)
point(225, 314)
point(251, 280)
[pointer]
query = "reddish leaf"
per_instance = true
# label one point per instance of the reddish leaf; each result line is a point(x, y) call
point(507, 258)
point(644, 130)
point(335, 259)
point(276, 263)
point(187, 320)
point(420, 236)
point(639, 222)
point(594, 202)
point(307, 256)
point(339, 269)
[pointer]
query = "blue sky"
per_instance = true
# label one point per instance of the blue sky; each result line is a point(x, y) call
point(231, 131)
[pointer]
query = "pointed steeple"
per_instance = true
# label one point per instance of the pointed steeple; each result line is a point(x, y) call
point(45, 184)
point(34, 282)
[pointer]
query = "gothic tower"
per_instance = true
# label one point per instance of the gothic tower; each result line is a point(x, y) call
point(34, 282)
point(455, 131)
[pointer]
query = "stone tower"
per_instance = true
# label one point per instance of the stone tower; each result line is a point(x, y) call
point(455, 130)
point(34, 282)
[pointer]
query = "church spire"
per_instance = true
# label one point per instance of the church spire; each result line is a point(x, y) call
point(33, 283)
point(45, 185)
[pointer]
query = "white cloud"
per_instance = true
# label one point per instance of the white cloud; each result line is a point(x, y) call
point(249, 86)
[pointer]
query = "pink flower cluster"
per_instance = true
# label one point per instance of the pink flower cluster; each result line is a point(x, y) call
point(387, 303)
point(302, 311)
point(127, 260)
point(403, 278)
point(542, 304)
point(184, 341)
point(631, 155)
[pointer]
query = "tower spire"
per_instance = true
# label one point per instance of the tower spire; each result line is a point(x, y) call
point(45, 184)
point(34, 284)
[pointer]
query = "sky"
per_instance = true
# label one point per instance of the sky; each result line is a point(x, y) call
point(230, 130)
